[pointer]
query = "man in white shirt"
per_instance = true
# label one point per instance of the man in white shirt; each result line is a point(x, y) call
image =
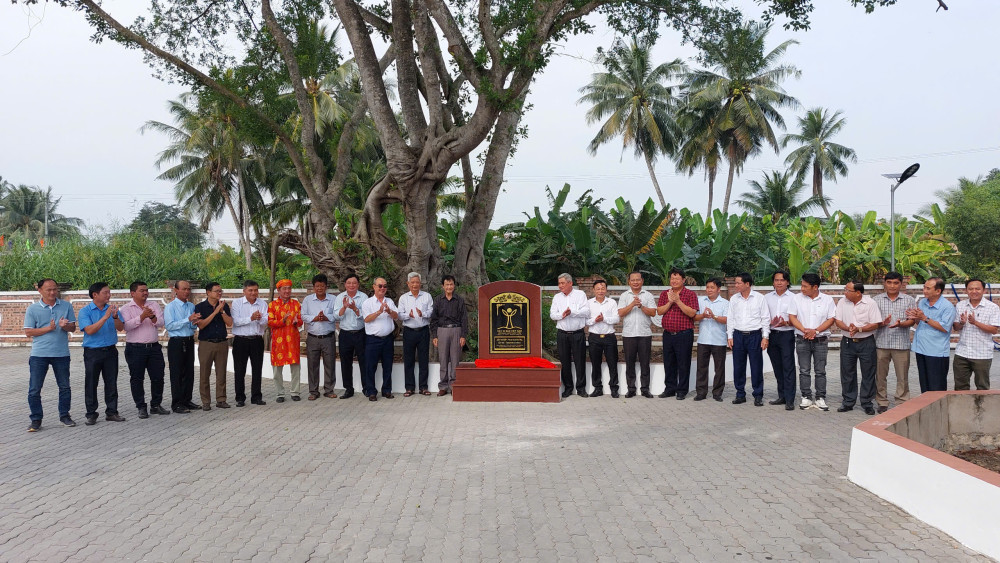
point(636, 309)
point(602, 320)
point(571, 311)
point(976, 325)
point(812, 314)
point(748, 326)
point(781, 345)
point(380, 314)
point(249, 323)
point(416, 308)
point(318, 315)
point(712, 341)
point(858, 316)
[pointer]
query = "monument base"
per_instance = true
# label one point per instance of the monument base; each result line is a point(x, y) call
point(521, 385)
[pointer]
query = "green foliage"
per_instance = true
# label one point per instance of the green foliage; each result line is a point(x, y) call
point(23, 214)
point(123, 257)
point(971, 220)
point(560, 241)
point(631, 235)
point(160, 220)
point(840, 249)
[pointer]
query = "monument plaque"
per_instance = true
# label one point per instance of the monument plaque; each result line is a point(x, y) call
point(510, 327)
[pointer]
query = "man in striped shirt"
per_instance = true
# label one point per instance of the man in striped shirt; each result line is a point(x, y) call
point(977, 323)
point(892, 341)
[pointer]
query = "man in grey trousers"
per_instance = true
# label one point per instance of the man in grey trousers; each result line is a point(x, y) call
point(449, 327)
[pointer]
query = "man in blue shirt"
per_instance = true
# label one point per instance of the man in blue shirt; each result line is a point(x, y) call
point(932, 340)
point(100, 355)
point(179, 318)
point(712, 342)
point(48, 323)
point(347, 307)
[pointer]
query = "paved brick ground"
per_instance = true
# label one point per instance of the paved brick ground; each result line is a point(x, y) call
point(424, 478)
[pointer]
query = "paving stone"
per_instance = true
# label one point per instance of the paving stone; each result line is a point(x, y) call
point(428, 479)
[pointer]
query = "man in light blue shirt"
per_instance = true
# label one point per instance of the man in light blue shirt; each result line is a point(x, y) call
point(318, 315)
point(712, 342)
point(100, 324)
point(347, 307)
point(932, 341)
point(179, 318)
point(48, 323)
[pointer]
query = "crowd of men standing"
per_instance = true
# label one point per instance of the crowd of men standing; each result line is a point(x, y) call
point(366, 334)
point(788, 326)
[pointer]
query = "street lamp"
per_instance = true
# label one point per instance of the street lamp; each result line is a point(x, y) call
point(899, 178)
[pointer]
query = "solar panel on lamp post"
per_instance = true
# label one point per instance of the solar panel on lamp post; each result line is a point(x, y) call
point(899, 178)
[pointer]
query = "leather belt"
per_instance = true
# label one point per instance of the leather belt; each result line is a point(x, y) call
point(748, 332)
point(320, 336)
point(449, 326)
point(143, 344)
point(688, 330)
point(245, 337)
point(213, 340)
point(570, 331)
point(182, 338)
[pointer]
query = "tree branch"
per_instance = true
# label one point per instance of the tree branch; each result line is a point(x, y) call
point(399, 157)
point(315, 187)
point(407, 72)
point(204, 79)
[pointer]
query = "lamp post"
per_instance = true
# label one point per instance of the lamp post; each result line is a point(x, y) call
point(899, 178)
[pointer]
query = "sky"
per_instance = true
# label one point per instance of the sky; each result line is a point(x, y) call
point(915, 85)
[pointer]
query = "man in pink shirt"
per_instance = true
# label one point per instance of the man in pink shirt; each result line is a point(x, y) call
point(143, 321)
point(858, 317)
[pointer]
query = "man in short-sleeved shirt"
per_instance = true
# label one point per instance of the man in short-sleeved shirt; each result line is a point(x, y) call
point(100, 325)
point(48, 323)
point(858, 317)
point(935, 316)
point(712, 341)
point(892, 341)
point(812, 313)
point(636, 308)
point(380, 314)
point(678, 305)
point(213, 345)
point(977, 323)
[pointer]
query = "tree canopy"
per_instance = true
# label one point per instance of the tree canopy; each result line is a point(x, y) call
point(462, 72)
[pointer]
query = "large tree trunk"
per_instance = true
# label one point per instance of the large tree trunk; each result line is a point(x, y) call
point(469, 267)
point(652, 176)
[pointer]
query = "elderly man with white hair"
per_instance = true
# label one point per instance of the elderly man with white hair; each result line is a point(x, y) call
point(570, 310)
point(415, 308)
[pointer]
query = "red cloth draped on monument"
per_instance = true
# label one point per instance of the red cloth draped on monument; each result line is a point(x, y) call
point(515, 363)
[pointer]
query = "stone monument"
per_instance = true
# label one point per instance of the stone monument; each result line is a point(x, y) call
point(510, 327)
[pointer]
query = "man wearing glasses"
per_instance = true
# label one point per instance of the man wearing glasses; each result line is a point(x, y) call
point(380, 315)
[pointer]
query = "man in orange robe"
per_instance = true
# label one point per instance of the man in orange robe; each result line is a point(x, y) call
point(284, 316)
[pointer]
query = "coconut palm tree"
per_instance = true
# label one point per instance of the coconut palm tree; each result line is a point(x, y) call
point(24, 213)
point(215, 171)
point(634, 102)
point(744, 84)
point(702, 147)
point(777, 197)
point(817, 153)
